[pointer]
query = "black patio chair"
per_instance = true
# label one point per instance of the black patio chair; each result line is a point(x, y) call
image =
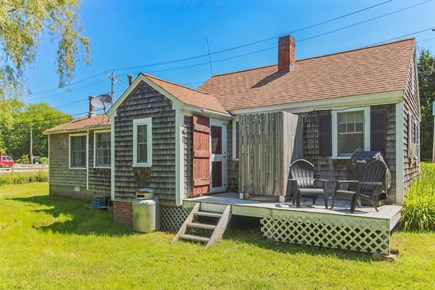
point(369, 187)
point(304, 183)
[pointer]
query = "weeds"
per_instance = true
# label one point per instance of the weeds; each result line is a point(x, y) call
point(21, 178)
point(419, 205)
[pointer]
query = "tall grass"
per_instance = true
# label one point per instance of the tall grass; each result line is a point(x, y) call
point(419, 205)
point(21, 178)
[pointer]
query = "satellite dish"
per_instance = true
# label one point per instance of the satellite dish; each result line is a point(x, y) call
point(101, 101)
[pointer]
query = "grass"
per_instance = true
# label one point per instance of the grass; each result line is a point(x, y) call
point(21, 178)
point(419, 205)
point(56, 243)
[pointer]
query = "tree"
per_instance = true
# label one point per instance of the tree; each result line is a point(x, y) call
point(39, 117)
point(426, 82)
point(8, 107)
point(22, 23)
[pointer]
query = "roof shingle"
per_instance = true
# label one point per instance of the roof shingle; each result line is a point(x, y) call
point(82, 123)
point(370, 70)
point(189, 96)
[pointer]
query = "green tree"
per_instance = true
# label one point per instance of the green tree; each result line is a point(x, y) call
point(22, 24)
point(426, 81)
point(8, 108)
point(39, 117)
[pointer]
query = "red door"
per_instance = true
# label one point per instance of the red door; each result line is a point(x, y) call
point(201, 155)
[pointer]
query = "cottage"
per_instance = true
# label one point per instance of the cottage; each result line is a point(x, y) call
point(185, 143)
point(79, 153)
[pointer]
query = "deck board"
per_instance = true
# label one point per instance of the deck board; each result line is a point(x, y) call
point(341, 207)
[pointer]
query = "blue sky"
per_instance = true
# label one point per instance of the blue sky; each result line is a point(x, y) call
point(128, 36)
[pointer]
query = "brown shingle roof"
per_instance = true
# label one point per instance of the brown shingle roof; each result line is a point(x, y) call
point(82, 123)
point(189, 96)
point(375, 69)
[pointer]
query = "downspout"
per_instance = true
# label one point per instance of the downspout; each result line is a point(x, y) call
point(400, 152)
point(112, 157)
point(179, 157)
point(87, 160)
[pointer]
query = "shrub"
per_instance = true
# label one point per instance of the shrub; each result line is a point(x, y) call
point(43, 160)
point(24, 159)
point(419, 205)
point(20, 178)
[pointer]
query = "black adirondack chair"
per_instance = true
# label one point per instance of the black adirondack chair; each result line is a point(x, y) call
point(369, 187)
point(304, 184)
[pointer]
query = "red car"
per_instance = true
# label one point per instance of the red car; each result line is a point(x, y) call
point(6, 161)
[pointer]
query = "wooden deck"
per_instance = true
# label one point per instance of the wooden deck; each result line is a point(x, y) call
point(366, 230)
point(260, 206)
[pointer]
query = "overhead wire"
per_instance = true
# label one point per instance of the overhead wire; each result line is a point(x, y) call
point(258, 51)
point(216, 52)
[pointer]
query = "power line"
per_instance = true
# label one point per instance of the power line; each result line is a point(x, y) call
point(250, 53)
point(365, 21)
point(251, 43)
point(231, 48)
point(406, 35)
point(70, 91)
point(70, 84)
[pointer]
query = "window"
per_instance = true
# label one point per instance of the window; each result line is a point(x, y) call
point(102, 149)
point(413, 138)
point(236, 139)
point(142, 142)
point(77, 156)
point(350, 131)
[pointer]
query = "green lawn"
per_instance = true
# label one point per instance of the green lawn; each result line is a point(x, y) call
point(57, 243)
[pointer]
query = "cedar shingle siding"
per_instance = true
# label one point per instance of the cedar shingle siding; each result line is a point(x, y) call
point(145, 102)
point(63, 180)
point(411, 105)
point(99, 178)
point(333, 169)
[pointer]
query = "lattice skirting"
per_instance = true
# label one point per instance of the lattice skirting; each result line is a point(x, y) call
point(171, 218)
point(363, 236)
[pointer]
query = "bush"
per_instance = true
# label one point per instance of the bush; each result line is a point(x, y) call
point(419, 205)
point(24, 159)
point(20, 178)
point(43, 160)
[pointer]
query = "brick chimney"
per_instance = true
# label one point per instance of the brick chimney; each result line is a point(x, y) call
point(130, 79)
point(91, 108)
point(286, 53)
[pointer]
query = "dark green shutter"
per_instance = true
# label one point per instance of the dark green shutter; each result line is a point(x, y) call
point(325, 135)
point(377, 130)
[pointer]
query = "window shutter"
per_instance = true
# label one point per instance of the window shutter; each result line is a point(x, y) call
point(377, 130)
point(325, 135)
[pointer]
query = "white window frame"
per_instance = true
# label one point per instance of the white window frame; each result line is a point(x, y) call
point(149, 123)
point(413, 130)
point(95, 148)
point(234, 157)
point(69, 151)
point(366, 111)
point(413, 135)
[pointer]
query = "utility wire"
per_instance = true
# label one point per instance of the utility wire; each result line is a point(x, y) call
point(70, 84)
point(227, 49)
point(216, 52)
point(251, 53)
point(365, 21)
point(70, 91)
point(406, 35)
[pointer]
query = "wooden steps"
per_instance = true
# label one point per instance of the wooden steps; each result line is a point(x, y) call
point(204, 226)
point(194, 238)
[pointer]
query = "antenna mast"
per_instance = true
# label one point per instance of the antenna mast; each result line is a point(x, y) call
point(209, 56)
point(113, 80)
